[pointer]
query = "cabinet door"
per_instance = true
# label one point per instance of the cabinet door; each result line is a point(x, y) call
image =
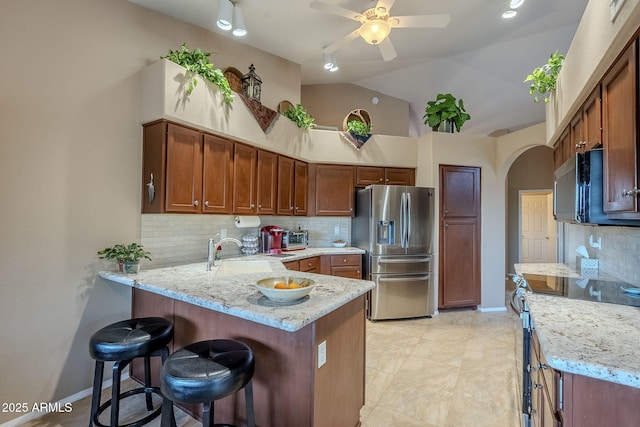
point(244, 179)
point(285, 185)
point(217, 175)
point(460, 191)
point(576, 136)
point(592, 120)
point(183, 170)
point(292, 265)
point(301, 188)
point(334, 190)
point(368, 175)
point(619, 134)
point(568, 150)
point(557, 155)
point(348, 271)
point(399, 176)
point(267, 175)
point(310, 265)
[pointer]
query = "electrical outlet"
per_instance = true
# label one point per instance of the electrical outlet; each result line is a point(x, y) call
point(322, 353)
point(336, 230)
point(223, 233)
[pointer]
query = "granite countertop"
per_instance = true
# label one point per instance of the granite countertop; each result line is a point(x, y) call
point(593, 339)
point(235, 294)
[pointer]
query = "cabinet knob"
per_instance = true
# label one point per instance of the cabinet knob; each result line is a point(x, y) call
point(632, 192)
point(196, 203)
point(290, 208)
point(380, 179)
point(542, 366)
point(344, 260)
point(252, 205)
point(259, 206)
point(206, 203)
point(536, 385)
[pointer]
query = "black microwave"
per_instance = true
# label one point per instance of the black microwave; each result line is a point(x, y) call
point(578, 191)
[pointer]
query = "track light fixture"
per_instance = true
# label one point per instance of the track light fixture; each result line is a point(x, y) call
point(329, 62)
point(230, 17)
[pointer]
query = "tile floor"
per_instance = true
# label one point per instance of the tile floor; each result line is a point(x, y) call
point(460, 368)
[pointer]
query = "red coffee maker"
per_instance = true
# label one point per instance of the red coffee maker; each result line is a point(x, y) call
point(271, 237)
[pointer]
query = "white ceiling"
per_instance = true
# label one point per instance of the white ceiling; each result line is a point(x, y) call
point(479, 57)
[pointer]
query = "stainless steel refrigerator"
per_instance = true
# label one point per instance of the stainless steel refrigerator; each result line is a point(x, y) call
point(394, 224)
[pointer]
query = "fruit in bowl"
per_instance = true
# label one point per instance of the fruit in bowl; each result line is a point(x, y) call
point(285, 288)
point(339, 243)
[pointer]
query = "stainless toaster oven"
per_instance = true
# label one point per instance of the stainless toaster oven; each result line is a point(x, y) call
point(295, 240)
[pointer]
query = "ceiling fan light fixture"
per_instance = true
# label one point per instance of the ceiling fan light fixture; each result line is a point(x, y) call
point(509, 14)
point(374, 31)
point(239, 28)
point(334, 68)
point(514, 4)
point(225, 15)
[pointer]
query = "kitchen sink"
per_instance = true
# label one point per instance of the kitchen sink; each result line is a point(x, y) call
point(235, 266)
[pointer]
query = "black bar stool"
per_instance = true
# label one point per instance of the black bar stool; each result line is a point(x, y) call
point(204, 372)
point(121, 342)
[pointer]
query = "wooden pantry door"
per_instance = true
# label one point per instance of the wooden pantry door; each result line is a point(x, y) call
point(459, 230)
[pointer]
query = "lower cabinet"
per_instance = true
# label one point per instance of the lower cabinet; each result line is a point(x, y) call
point(569, 400)
point(348, 265)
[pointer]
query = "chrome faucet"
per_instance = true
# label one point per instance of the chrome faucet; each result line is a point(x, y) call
point(212, 249)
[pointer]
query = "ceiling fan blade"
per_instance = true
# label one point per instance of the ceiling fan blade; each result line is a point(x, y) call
point(422, 21)
point(343, 41)
point(387, 50)
point(336, 10)
point(387, 4)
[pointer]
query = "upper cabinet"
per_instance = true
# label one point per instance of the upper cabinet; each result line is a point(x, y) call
point(292, 186)
point(184, 171)
point(334, 187)
point(620, 139)
point(368, 175)
point(244, 179)
point(267, 181)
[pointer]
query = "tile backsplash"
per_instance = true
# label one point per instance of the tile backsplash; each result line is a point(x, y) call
point(182, 238)
point(619, 254)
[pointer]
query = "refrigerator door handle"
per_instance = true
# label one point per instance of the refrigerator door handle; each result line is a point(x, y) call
point(404, 279)
point(403, 213)
point(404, 260)
point(408, 218)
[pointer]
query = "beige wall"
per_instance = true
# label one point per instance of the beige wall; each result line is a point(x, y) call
point(70, 160)
point(330, 103)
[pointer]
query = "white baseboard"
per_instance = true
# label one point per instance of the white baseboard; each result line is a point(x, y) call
point(491, 309)
point(60, 404)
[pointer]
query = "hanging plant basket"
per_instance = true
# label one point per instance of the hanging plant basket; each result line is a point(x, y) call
point(358, 115)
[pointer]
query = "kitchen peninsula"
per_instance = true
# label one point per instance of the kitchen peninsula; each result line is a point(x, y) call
point(583, 357)
point(290, 388)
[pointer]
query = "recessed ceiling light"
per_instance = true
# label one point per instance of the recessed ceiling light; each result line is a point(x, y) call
point(515, 4)
point(509, 14)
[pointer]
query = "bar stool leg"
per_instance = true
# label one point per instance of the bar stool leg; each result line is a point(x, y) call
point(147, 382)
point(115, 391)
point(168, 416)
point(97, 390)
point(207, 414)
point(248, 397)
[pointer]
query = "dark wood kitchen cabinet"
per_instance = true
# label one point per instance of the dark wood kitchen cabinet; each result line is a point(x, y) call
point(545, 387)
point(368, 175)
point(293, 179)
point(459, 267)
point(346, 265)
point(620, 139)
point(334, 188)
point(244, 179)
point(190, 172)
point(267, 181)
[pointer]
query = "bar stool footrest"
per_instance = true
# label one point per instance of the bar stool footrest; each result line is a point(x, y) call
point(121, 396)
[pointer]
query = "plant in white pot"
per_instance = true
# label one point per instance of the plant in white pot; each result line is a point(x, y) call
point(444, 113)
point(127, 257)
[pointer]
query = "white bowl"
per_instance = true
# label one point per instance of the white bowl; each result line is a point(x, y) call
point(267, 288)
point(339, 244)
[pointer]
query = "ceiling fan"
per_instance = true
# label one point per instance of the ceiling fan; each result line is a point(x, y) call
point(376, 24)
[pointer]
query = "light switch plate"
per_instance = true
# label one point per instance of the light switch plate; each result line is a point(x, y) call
point(322, 353)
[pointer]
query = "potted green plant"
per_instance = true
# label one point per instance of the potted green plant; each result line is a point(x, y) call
point(196, 61)
point(358, 128)
point(127, 257)
point(544, 78)
point(299, 116)
point(444, 111)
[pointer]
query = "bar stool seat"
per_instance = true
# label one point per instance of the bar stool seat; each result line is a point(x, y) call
point(204, 372)
point(121, 342)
